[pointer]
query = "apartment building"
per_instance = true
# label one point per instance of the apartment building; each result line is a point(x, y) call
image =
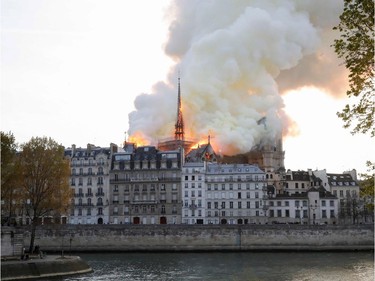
point(89, 181)
point(145, 186)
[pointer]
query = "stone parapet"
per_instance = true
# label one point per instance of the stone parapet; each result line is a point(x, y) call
point(96, 238)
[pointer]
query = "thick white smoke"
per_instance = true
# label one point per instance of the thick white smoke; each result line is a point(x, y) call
point(232, 55)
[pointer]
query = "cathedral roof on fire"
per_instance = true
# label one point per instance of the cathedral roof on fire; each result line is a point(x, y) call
point(202, 153)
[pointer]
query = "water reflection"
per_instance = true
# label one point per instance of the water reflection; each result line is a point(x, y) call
point(347, 266)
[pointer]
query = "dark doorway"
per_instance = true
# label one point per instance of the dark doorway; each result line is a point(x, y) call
point(100, 221)
point(239, 221)
point(199, 221)
point(136, 220)
point(163, 220)
point(223, 221)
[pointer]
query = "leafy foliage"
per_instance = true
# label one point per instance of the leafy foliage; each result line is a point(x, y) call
point(356, 47)
point(45, 176)
point(9, 177)
point(367, 187)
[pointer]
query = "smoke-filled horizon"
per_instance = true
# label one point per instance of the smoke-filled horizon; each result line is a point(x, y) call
point(235, 59)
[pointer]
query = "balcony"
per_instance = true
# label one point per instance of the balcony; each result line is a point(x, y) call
point(144, 180)
point(78, 195)
point(145, 202)
point(193, 206)
point(89, 194)
point(169, 179)
point(99, 194)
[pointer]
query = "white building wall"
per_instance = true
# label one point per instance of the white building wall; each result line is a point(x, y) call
point(90, 183)
point(193, 193)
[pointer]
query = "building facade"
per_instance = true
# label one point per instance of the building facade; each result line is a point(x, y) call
point(223, 193)
point(89, 181)
point(145, 186)
point(315, 206)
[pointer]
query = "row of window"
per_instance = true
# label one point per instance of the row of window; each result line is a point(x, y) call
point(88, 182)
point(230, 186)
point(89, 172)
point(246, 178)
point(90, 162)
point(239, 205)
point(144, 209)
point(220, 214)
point(298, 213)
point(297, 203)
point(353, 193)
point(88, 212)
point(296, 185)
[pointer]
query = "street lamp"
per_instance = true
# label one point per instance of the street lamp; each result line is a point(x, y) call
point(313, 207)
point(70, 244)
point(300, 208)
point(265, 209)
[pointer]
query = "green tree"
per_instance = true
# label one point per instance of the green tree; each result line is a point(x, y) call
point(45, 180)
point(367, 190)
point(356, 47)
point(9, 178)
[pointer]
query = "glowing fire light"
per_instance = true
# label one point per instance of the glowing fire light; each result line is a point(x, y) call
point(138, 138)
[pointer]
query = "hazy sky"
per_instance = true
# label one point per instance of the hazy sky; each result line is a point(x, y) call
point(71, 70)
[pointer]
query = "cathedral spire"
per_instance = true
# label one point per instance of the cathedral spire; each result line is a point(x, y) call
point(179, 127)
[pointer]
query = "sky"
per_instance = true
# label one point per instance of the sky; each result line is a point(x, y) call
point(75, 70)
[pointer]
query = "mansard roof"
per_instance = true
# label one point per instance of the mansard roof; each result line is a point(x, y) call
point(145, 153)
point(93, 151)
point(341, 179)
point(203, 152)
point(300, 176)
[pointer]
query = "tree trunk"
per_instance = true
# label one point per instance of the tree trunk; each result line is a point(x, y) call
point(32, 238)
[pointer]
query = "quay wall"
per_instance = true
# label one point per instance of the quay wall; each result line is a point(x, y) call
point(81, 238)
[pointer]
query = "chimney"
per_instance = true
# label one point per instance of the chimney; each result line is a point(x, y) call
point(113, 147)
point(73, 150)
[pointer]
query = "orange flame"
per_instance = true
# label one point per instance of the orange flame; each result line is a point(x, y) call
point(138, 138)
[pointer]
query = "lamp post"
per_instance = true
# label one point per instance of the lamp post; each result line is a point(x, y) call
point(265, 209)
point(70, 244)
point(313, 207)
point(300, 209)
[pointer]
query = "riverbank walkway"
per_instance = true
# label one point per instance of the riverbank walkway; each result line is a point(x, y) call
point(13, 268)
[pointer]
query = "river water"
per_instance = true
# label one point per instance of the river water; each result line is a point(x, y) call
point(227, 266)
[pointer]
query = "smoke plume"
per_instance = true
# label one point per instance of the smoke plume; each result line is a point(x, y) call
point(235, 58)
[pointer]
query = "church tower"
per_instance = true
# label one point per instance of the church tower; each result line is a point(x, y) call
point(179, 127)
point(179, 140)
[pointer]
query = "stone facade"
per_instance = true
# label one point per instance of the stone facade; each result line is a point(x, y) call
point(204, 237)
point(145, 186)
point(90, 183)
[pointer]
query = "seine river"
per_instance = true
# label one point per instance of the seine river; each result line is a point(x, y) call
point(236, 266)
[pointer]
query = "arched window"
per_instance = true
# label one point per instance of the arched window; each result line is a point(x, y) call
point(100, 171)
point(100, 201)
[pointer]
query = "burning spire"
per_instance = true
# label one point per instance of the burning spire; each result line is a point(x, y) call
point(179, 127)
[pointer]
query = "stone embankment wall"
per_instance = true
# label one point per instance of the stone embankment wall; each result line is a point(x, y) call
point(202, 237)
